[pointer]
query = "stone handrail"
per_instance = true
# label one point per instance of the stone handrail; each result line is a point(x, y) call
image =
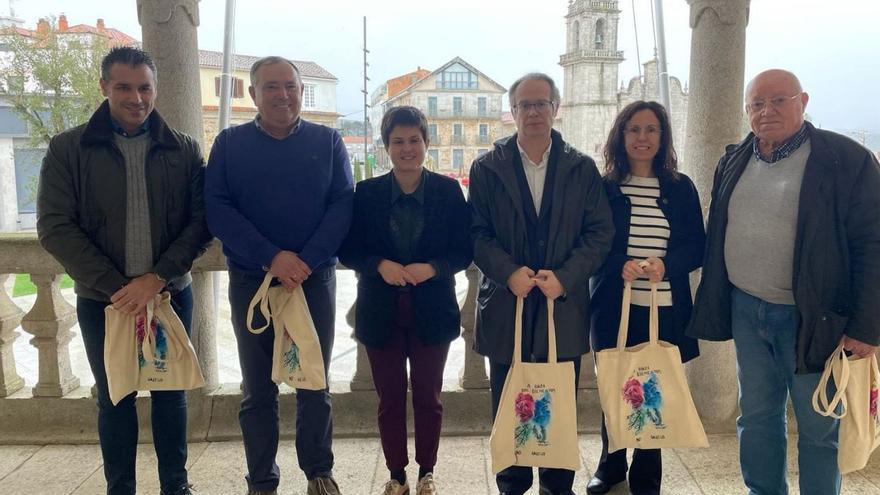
point(50, 319)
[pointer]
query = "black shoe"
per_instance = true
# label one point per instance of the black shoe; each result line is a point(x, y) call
point(596, 486)
point(546, 491)
point(186, 489)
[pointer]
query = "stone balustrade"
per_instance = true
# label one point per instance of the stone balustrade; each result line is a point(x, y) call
point(50, 319)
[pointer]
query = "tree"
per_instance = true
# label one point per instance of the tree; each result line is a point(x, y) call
point(52, 79)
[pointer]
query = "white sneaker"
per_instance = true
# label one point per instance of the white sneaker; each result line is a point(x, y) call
point(426, 485)
point(393, 487)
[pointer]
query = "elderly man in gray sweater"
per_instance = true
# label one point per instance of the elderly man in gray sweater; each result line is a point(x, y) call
point(792, 269)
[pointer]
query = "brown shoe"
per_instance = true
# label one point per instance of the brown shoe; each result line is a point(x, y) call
point(426, 485)
point(393, 487)
point(323, 486)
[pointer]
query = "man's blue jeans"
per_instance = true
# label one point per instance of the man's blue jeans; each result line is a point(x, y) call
point(118, 425)
point(765, 336)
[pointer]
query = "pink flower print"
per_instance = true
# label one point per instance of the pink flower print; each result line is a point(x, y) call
point(633, 394)
point(525, 406)
point(873, 402)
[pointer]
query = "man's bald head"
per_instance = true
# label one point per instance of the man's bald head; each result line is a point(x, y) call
point(775, 103)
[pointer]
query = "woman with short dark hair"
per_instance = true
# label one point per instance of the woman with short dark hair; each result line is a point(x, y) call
point(409, 236)
point(659, 237)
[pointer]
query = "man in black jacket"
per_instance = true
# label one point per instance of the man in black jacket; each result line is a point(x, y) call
point(541, 228)
point(792, 268)
point(120, 207)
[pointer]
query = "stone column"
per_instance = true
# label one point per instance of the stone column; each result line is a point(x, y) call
point(204, 328)
point(473, 374)
point(10, 318)
point(363, 375)
point(49, 321)
point(169, 29)
point(714, 120)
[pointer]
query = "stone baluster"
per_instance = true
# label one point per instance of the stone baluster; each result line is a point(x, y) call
point(473, 374)
point(10, 317)
point(49, 321)
point(363, 375)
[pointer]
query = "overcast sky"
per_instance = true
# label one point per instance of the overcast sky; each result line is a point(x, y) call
point(834, 47)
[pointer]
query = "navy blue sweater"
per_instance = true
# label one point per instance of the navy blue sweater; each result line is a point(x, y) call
point(264, 195)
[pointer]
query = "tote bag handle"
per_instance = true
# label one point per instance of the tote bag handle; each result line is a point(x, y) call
point(653, 320)
point(551, 333)
point(261, 297)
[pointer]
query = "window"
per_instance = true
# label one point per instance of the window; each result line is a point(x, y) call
point(457, 136)
point(432, 134)
point(457, 107)
point(309, 96)
point(600, 34)
point(481, 107)
point(481, 152)
point(237, 87)
point(432, 106)
point(483, 137)
point(433, 159)
point(575, 35)
point(458, 159)
point(457, 77)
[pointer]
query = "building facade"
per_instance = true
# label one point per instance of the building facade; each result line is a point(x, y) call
point(463, 107)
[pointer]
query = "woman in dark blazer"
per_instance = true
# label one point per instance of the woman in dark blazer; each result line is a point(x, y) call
point(658, 224)
point(410, 235)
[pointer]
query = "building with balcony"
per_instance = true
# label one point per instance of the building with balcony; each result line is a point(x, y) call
point(463, 107)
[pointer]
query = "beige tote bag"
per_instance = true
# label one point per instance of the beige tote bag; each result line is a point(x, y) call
point(856, 380)
point(296, 353)
point(536, 423)
point(158, 356)
point(643, 390)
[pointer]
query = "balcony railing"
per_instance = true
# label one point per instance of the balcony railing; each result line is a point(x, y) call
point(603, 54)
point(50, 320)
point(465, 113)
point(458, 139)
point(483, 139)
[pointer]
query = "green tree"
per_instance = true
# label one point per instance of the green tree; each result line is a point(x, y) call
point(51, 79)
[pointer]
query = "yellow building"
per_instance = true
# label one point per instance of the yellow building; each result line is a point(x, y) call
point(463, 107)
point(319, 93)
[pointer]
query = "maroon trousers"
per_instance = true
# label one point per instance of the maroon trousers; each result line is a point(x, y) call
point(426, 363)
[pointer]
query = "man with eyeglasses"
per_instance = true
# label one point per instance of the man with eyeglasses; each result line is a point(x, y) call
point(541, 228)
point(792, 268)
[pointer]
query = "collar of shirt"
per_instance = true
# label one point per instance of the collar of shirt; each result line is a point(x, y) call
point(293, 129)
point(418, 194)
point(544, 158)
point(783, 151)
point(118, 129)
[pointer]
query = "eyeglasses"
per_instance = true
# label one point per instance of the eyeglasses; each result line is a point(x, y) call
point(540, 105)
point(757, 106)
point(649, 130)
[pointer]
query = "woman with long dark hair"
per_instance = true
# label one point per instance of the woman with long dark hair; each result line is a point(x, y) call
point(409, 236)
point(659, 238)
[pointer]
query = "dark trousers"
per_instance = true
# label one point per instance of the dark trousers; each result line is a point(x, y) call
point(258, 416)
point(118, 425)
point(646, 469)
point(518, 479)
point(426, 375)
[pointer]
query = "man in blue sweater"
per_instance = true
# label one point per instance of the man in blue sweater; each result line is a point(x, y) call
point(278, 194)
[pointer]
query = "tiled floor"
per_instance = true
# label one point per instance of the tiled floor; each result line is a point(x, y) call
point(217, 468)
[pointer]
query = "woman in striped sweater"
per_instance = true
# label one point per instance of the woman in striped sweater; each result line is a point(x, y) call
point(658, 222)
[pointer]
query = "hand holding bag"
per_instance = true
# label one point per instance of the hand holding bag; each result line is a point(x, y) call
point(643, 390)
point(296, 352)
point(536, 422)
point(151, 353)
point(856, 380)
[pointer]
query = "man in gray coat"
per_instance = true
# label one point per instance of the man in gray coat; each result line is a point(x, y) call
point(791, 270)
point(541, 228)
